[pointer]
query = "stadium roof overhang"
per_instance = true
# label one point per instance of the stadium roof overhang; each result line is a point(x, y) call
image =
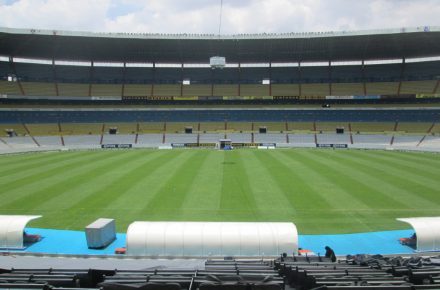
point(211, 239)
point(427, 230)
point(12, 229)
point(288, 47)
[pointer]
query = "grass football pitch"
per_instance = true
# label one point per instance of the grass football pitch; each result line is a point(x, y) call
point(321, 191)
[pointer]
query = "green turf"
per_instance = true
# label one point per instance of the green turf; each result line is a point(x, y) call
point(321, 191)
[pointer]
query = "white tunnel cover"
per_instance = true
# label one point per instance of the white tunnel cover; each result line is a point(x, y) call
point(205, 239)
point(12, 228)
point(427, 230)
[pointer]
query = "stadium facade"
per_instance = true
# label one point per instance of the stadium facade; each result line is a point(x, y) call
point(403, 63)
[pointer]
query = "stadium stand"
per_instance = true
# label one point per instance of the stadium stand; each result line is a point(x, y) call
point(70, 89)
point(21, 142)
point(82, 141)
point(210, 138)
point(39, 89)
point(122, 128)
point(51, 141)
point(270, 126)
point(372, 139)
point(297, 272)
point(174, 127)
point(81, 128)
point(148, 140)
point(181, 138)
point(136, 90)
point(212, 127)
point(333, 138)
point(240, 138)
point(413, 127)
point(406, 141)
point(151, 127)
point(302, 140)
point(105, 90)
point(301, 126)
point(270, 138)
point(330, 126)
point(118, 139)
point(17, 128)
point(365, 127)
point(128, 85)
point(430, 142)
point(43, 129)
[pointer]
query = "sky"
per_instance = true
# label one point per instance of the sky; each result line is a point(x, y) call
point(203, 16)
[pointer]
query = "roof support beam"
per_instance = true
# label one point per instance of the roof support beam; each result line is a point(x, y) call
point(330, 78)
point(300, 79)
point(181, 79)
point(363, 78)
point(239, 80)
point(123, 79)
point(212, 84)
point(154, 80)
point(402, 71)
point(270, 78)
point(91, 78)
point(55, 80)
point(437, 85)
point(14, 71)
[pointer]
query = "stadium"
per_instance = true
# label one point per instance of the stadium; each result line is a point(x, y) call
point(201, 161)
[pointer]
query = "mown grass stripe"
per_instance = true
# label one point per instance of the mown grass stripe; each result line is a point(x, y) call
point(40, 176)
point(338, 192)
point(121, 184)
point(388, 183)
point(168, 200)
point(303, 198)
point(71, 191)
point(19, 159)
point(51, 186)
point(273, 198)
point(328, 181)
point(415, 167)
point(135, 204)
point(235, 201)
point(371, 189)
point(205, 189)
point(88, 179)
point(100, 201)
point(428, 189)
point(430, 158)
point(21, 169)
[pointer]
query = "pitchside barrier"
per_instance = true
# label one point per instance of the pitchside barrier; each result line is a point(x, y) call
point(331, 145)
point(116, 146)
point(245, 145)
point(193, 145)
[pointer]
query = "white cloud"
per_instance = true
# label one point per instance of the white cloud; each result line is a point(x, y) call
point(55, 14)
point(202, 16)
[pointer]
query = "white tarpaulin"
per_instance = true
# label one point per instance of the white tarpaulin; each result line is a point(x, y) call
point(427, 230)
point(12, 229)
point(204, 239)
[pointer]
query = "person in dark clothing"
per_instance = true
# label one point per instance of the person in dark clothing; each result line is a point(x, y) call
point(329, 253)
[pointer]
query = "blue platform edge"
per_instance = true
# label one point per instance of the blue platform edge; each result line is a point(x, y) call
point(68, 242)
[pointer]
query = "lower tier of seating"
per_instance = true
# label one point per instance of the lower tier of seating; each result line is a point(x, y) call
point(390, 140)
point(284, 273)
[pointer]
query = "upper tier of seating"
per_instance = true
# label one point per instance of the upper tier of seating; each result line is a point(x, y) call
point(29, 72)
